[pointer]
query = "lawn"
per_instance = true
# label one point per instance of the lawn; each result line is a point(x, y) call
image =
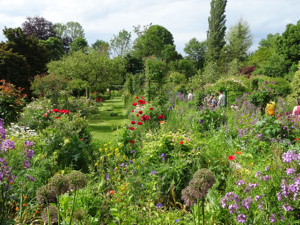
point(104, 129)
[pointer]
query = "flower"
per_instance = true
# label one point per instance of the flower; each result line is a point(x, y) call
point(132, 151)
point(176, 220)
point(161, 117)
point(131, 141)
point(290, 171)
point(151, 108)
point(110, 192)
point(159, 205)
point(188, 139)
point(134, 104)
point(77, 180)
point(24, 204)
point(297, 139)
point(180, 154)
point(163, 155)
point(161, 121)
point(107, 177)
point(241, 218)
point(137, 114)
point(140, 123)
point(122, 165)
point(132, 122)
point(136, 97)
point(238, 153)
point(131, 128)
point(181, 142)
point(153, 172)
point(140, 112)
point(53, 212)
point(231, 157)
point(59, 183)
point(201, 121)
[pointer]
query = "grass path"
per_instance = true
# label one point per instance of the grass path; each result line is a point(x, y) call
point(102, 128)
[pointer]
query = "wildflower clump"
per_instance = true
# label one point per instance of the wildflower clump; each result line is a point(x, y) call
point(53, 212)
point(77, 180)
point(59, 183)
point(198, 187)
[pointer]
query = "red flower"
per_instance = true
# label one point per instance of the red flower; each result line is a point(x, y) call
point(151, 108)
point(96, 99)
point(231, 157)
point(111, 192)
point(95, 92)
point(100, 99)
point(181, 142)
point(161, 117)
point(137, 114)
point(40, 96)
point(180, 154)
point(142, 97)
point(131, 141)
point(57, 117)
point(140, 112)
point(132, 122)
point(140, 123)
point(134, 104)
point(297, 139)
point(136, 97)
point(132, 128)
point(56, 110)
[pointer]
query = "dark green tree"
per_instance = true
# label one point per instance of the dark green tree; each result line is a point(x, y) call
point(79, 43)
point(55, 46)
point(165, 36)
point(216, 29)
point(288, 44)
point(196, 50)
point(36, 55)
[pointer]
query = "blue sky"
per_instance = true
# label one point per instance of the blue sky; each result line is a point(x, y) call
point(185, 19)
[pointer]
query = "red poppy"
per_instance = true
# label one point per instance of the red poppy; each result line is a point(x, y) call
point(231, 157)
point(161, 117)
point(40, 96)
point(140, 112)
point(136, 97)
point(131, 141)
point(56, 110)
point(151, 108)
point(297, 139)
point(131, 128)
point(132, 111)
point(132, 122)
point(137, 114)
point(100, 99)
point(134, 104)
point(111, 192)
point(95, 92)
point(142, 97)
point(140, 123)
point(181, 142)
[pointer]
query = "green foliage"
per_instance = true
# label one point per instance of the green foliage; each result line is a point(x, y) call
point(155, 69)
point(121, 43)
point(275, 66)
point(196, 51)
point(164, 35)
point(288, 44)
point(177, 78)
point(295, 88)
point(102, 46)
point(216, 30)
point(260, 56)
point(129, 83)
point(169, 53)
point(78, 44)
point(239, 40)
point(54, 45)
point(70, 29)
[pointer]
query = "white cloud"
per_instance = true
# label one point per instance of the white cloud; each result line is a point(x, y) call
point(185, 19)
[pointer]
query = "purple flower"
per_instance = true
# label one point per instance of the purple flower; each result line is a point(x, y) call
point(290, 171)
point(130, 161)
point(132, 171)
point(240, 182)
point(287, 208)
point(159, 205)
point(28, 143)
point(246, 203)
point(176, 220)
point(163, 155)
point(27, 164)
point(153, 172)
point(267, 168)
point(272, 218)
point(8, 144)
point(122, 165)
point(289, 156)
point(201, 121)
point(241, 218)
point(132, 151)
point(107, 177)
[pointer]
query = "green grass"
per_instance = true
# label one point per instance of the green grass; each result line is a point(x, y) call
point(102, 129)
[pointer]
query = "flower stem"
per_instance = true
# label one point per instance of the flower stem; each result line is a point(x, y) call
point(73, 207)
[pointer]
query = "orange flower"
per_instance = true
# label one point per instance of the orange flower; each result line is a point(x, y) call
point(17, 208)
point(238, 153)
point(24, 204)
point(25, 197)
point(81, 139)
point(37, 212)
point(161, 121)
point(251, 164)
point(180, 154)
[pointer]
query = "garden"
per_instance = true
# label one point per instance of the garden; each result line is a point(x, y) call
point(91, 139)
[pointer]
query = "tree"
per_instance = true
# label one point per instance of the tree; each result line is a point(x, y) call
point(270, 42)
point(169, 53)
point(295, 88)
point(54, 45)
point(133, 64)
point(165, 36)
point(275, 66)
point(186, 67)
point(36, 55)
point(91, 69)
point(14, 69)
point(121, 43)
point(70, 29)
point(239, 40)
point(196, 51)
point(39, 27)
point(79, 43)
point(101, 46)
point(216, 29)
point(288, 44)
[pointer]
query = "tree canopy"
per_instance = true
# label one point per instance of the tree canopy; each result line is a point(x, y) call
point(55, 46)
point(196, 50)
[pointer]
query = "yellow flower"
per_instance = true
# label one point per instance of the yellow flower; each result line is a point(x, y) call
point(106, 149)
point(109, 142)
point(96, 164)
point(119, 144)
point(133, 160)
point(117, 149)
point(116, 168)
point(105, 145)
point(100, 150)
point(12, 138)
point(119, 179)
point(55, 162)
point(138, 166)
point(108, 155)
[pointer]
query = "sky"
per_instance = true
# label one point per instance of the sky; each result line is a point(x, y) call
point(185, 19)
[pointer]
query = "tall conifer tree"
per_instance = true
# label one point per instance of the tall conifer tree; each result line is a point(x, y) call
point(216, 29)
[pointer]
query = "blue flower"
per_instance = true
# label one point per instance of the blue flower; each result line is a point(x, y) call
point(132, 151)
point(201, 121)
point(153, 172)
point(159, 205)
point(132, 171)
point(107, 177)
point(163, 155)
point(130, 161)
point(176, 220)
